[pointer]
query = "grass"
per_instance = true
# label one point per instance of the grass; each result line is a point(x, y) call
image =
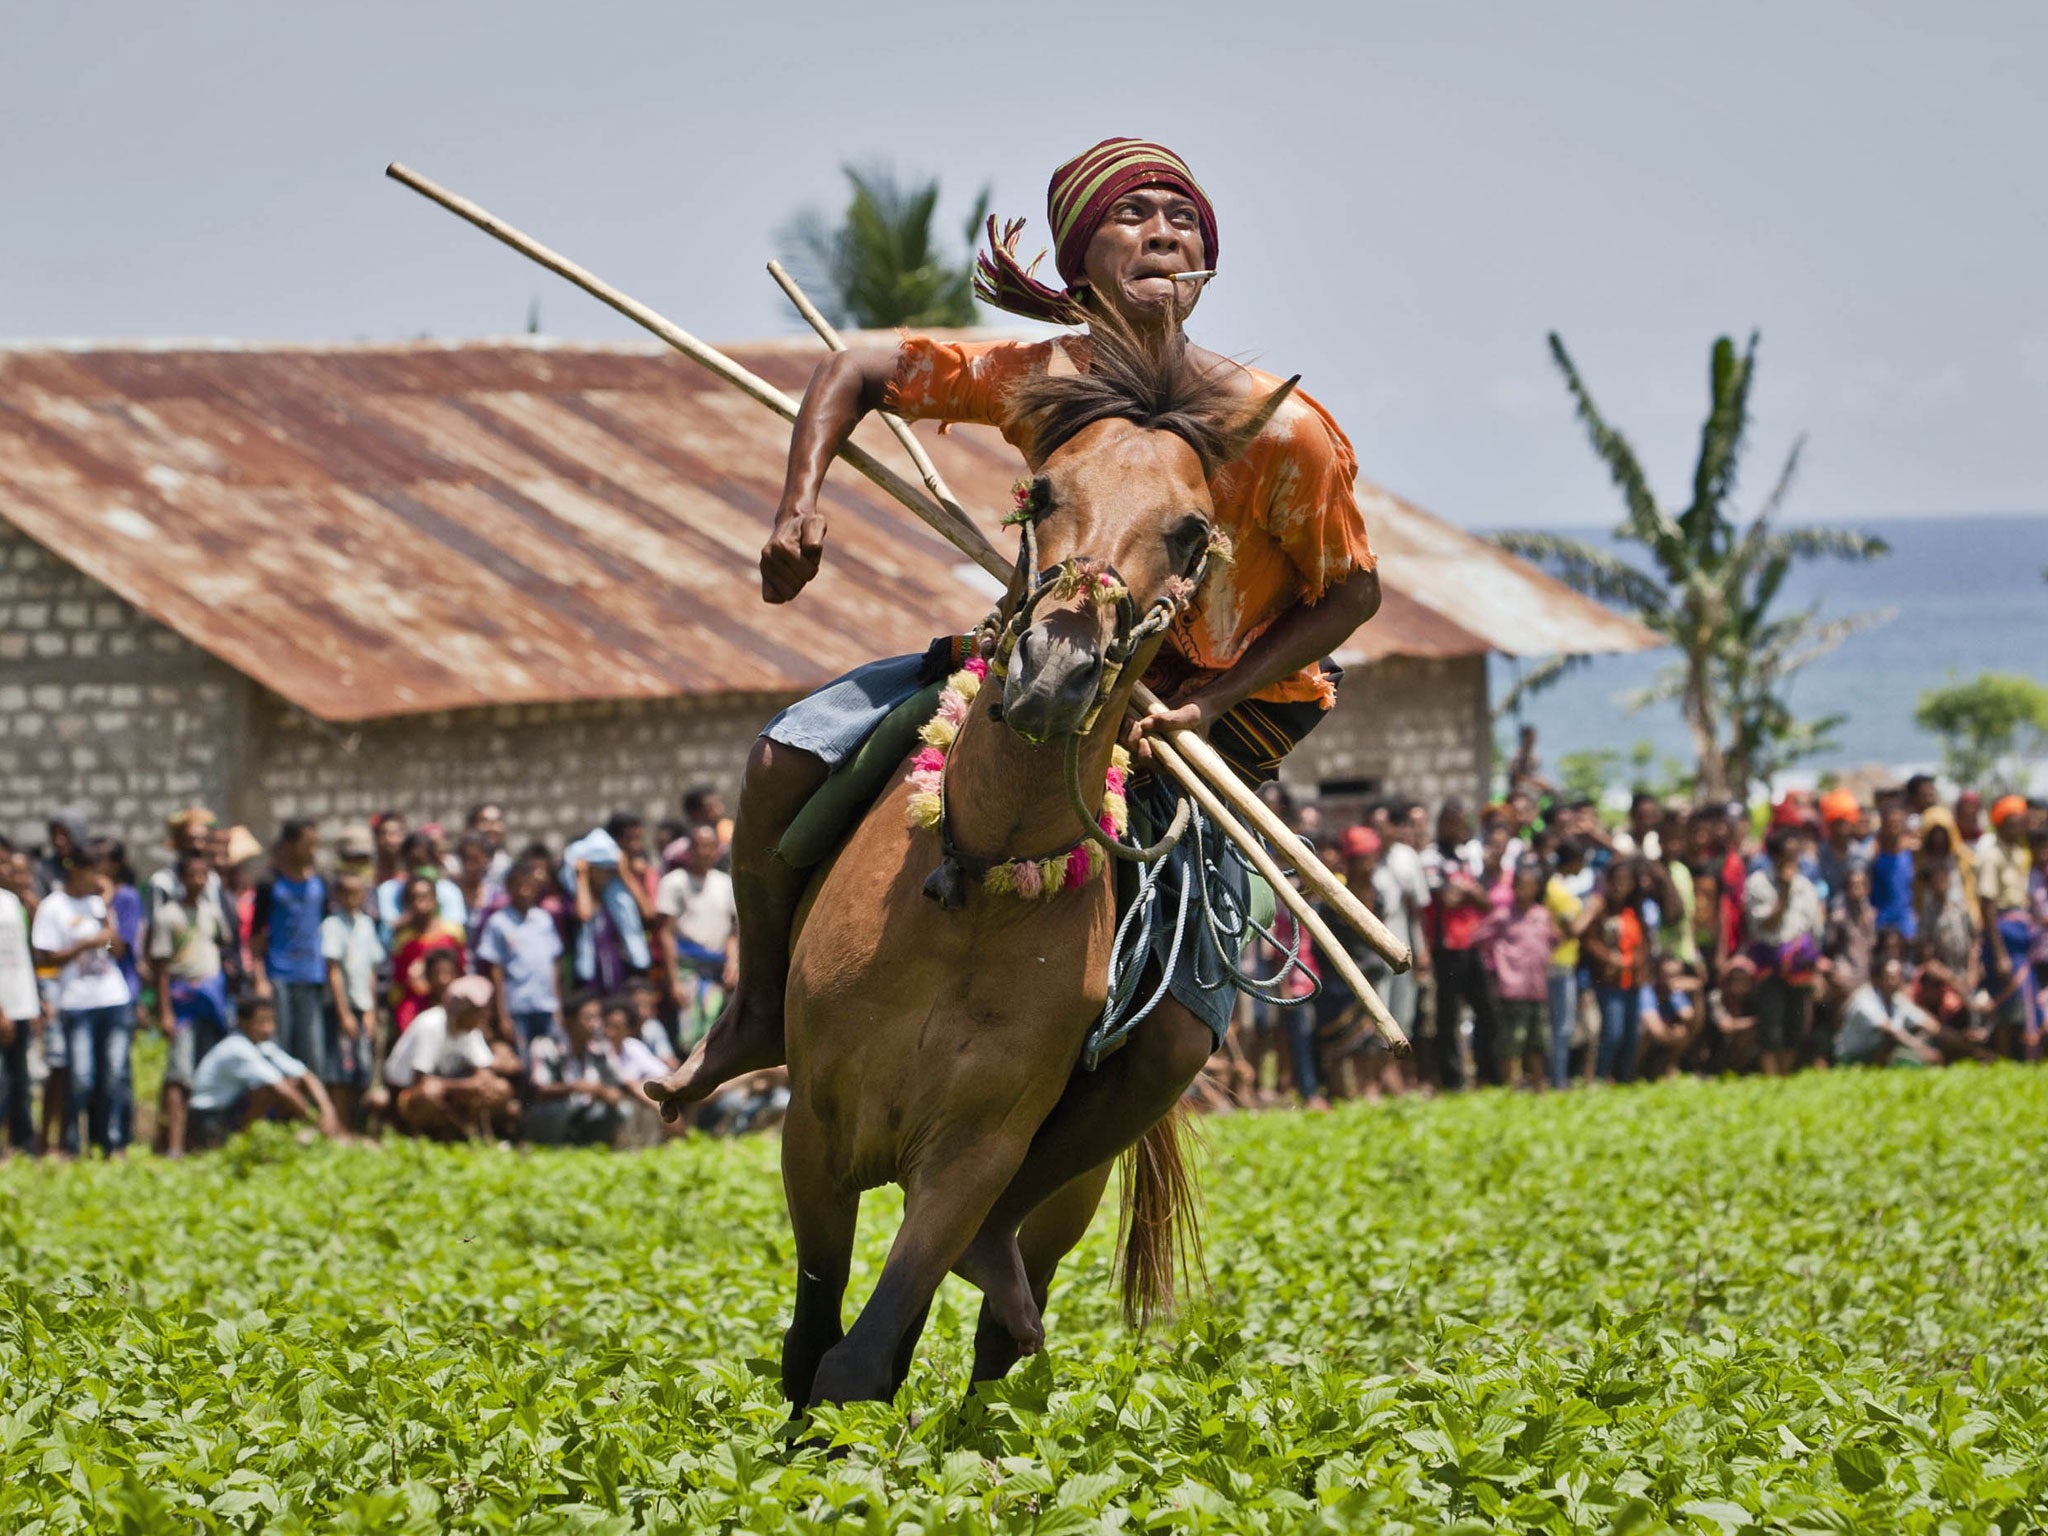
point(1816, 1305)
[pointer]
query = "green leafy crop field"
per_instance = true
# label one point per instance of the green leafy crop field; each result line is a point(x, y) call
point(1812, 1305)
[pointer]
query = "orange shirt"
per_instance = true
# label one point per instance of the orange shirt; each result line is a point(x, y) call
point(1286, 502)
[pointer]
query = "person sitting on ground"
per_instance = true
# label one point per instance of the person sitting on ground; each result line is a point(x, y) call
point(1671, 1020)
point(633, 1059)
point(450, 1080)
point(186, 937)
point(645, 998)
point(1882, 1024)
point(1733, 1014)
point(249, 1077)
point(576, 1096)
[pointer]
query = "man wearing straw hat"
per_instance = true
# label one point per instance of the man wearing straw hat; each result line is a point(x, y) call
point(1135, 241)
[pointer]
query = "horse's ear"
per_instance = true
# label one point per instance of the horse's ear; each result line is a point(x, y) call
point(1248, 426)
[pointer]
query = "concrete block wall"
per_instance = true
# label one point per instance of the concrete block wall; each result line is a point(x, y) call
point(558, 769)
point(1421, 728)
point(103, 708)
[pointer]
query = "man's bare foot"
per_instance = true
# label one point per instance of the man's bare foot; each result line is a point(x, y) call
point(994, 1266)
point(746, 1038)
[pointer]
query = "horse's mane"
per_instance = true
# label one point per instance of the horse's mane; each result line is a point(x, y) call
point(1146, 380)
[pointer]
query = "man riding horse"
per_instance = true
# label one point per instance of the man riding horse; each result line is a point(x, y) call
point(1247, 666)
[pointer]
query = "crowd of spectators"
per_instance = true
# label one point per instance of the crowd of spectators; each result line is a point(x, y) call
point(396, 978)
point(391, 978)
point(1552, 949)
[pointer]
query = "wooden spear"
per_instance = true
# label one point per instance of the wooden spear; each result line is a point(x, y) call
point(1168, 752)
point(949, 523)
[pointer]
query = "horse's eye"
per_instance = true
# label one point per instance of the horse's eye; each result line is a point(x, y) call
point(1185, 542)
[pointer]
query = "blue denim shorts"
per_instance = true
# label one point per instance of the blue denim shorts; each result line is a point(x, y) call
point(833, 722)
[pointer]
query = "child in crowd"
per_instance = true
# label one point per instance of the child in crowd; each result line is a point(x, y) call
point(1517, 940)
point(353, 950)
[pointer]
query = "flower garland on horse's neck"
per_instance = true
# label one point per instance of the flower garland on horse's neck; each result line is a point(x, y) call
point(1031, 879)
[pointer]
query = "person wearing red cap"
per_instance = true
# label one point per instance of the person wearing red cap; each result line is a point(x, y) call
point(2002, 874)
point(1840, 848)
point(1136, 238)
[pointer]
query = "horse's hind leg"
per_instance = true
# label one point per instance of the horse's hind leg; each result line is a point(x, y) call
point(822, 1216)
point(1047, 1236)
point(940, 1213)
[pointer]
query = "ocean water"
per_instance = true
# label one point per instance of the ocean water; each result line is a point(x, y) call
point(1966, 595)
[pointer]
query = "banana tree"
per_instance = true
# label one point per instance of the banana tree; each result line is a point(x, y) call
point(1708, 583)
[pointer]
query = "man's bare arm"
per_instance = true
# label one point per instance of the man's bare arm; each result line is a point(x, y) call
point(845, 388)
point(1299, 638)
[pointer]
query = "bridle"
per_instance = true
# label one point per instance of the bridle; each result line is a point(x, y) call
point(997, 638)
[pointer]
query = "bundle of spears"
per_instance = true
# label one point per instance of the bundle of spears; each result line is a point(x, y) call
point(1183, 755)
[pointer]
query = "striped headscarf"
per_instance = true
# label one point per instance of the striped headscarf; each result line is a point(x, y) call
point(1077, 200)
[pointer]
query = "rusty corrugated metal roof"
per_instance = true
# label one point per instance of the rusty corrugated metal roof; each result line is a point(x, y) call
point(375, 530)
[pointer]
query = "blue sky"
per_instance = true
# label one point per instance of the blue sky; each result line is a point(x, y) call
point(1410, 197)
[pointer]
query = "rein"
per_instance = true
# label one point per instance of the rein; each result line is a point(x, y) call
point(997, 637)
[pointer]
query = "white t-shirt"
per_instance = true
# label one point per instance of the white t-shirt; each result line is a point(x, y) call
point(427, 1049)
point(701, 905)
point(239, 1065)
point(94, 979)
point(18, 999)
point(353, 941)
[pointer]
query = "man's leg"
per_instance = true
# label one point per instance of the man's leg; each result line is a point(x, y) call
point(117, 1034)
point(748, 1035)
point(1450, 1067)
point(1100, 1114)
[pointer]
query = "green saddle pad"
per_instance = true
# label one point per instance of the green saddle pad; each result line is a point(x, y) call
point(840, 802)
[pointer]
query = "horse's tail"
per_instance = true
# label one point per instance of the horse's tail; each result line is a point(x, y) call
point(1159, 1227)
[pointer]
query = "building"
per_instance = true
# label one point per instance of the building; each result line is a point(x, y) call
point(319, 580)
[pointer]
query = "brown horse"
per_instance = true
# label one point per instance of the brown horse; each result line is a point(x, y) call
point(927, 1041)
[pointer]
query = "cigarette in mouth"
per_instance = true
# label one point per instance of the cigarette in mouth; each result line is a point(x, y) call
point(1194, 277)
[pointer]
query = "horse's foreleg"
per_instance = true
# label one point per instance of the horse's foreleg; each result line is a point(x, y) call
point(822, 1216)
point(906, 1347)
point(1047, 1236)
point(942, 1209)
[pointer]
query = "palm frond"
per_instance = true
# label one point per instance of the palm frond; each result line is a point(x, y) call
point(1598, 573)
point(1823, 639)
point(1827, 544)
point(879, 266)
point(1540, 677)
point(1769, 510)
point(1668, 685)
point(1646, 521)
point(1705, 523)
